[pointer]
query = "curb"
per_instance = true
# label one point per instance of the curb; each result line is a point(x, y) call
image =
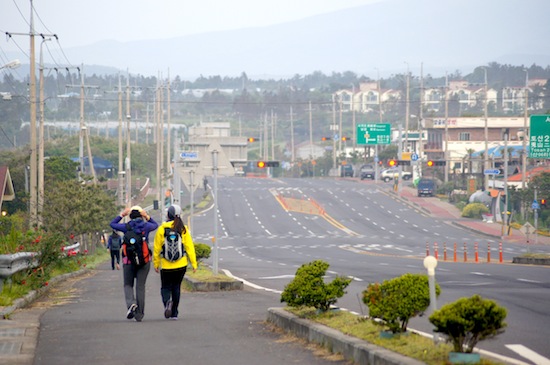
point(196, 285)
point(530, 261)
point(352, 348)
point(35, 294)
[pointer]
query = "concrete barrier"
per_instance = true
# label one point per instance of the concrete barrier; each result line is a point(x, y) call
point(351, 348)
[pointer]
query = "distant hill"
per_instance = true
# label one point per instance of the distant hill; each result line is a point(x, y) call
point(443, 35)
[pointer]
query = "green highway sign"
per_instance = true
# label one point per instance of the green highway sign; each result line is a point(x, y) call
point(539, 136)
point(374, 133)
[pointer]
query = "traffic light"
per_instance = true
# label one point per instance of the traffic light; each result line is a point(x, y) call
point(325, 138)
point(543, 203)
point(263, 164)
point(345, 139)
point(431, 163)
point(393, 163)
point(251, 139)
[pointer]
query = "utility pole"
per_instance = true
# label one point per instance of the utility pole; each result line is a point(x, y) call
point(292, 154)
point(333, 139)
point(40, 198)
point(421, 116)
point(272, 135)
point(128, 145)
point(33, 164)
point(407, 111)
point(121, 198)
point(310, 130)
point(168, 143)
point(525, 133)
point(353, 117)
point(446, 127)
point(486, 157)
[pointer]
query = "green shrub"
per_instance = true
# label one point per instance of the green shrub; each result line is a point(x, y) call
point(469, 320)
point(309, 289)
point(461, 205)
point(202, 251)
point(397, 300)
point(474, 210)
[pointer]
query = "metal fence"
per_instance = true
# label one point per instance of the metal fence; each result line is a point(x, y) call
point(13, 263)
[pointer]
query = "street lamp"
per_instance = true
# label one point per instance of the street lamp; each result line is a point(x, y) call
point(12, 64)
point(430, 263)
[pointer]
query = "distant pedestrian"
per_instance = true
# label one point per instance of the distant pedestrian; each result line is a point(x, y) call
point(205, 183)
point(114, 243)
point(173, 248)
point(137, 229)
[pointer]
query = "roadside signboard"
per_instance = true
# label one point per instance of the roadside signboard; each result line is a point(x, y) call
point(189, 155)
point(491, 172)
point(539, 136)
point(373, 134)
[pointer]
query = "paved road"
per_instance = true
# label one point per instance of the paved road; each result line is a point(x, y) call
point(83, 321)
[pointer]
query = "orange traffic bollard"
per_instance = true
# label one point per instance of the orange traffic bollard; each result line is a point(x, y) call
point(435, 251)
point(465, 253)
point(444, 251)
point(454, 253)
point(500, 252)
point(488, 251)
point(476, 253)
point(427, 249)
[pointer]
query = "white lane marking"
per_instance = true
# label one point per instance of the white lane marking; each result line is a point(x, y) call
point(529, 281)
point(529, 354)
point(276, 277)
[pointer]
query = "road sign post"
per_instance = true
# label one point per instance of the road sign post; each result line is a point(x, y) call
point(373, 134)
point(539, 136)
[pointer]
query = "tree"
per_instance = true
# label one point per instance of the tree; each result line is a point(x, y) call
point(73, 208)
point(468, 321)
point(397, 300)
point(309, 289)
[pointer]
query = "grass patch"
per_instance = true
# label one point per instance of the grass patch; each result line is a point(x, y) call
point(23, 282)
point(408, 344)
point(205, 274)
point(536, 255)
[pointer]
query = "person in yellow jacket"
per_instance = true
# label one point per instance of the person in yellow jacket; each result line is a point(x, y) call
point(171, 262)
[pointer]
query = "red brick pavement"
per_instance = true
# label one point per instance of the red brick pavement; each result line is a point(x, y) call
point(446, 211)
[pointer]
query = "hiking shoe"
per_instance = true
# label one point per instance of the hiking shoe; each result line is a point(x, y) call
point(168, 309)
point(131, 311)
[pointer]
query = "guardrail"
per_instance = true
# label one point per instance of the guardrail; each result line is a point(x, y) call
point(13, 263)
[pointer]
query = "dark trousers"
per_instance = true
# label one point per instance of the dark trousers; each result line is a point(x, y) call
point(115, 257)
point(170, 280)
point(138, 275)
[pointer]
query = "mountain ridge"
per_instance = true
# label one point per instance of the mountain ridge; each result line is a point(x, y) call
point(388, 36)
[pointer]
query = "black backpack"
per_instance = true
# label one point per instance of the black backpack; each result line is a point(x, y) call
point(135, 247)
point(116, 242)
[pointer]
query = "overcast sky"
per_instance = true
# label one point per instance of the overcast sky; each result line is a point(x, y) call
point(80, 22)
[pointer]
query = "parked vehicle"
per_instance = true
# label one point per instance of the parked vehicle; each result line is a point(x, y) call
point(346, 170)
point(367, 172)
point(391, 173)
point(426, 187)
